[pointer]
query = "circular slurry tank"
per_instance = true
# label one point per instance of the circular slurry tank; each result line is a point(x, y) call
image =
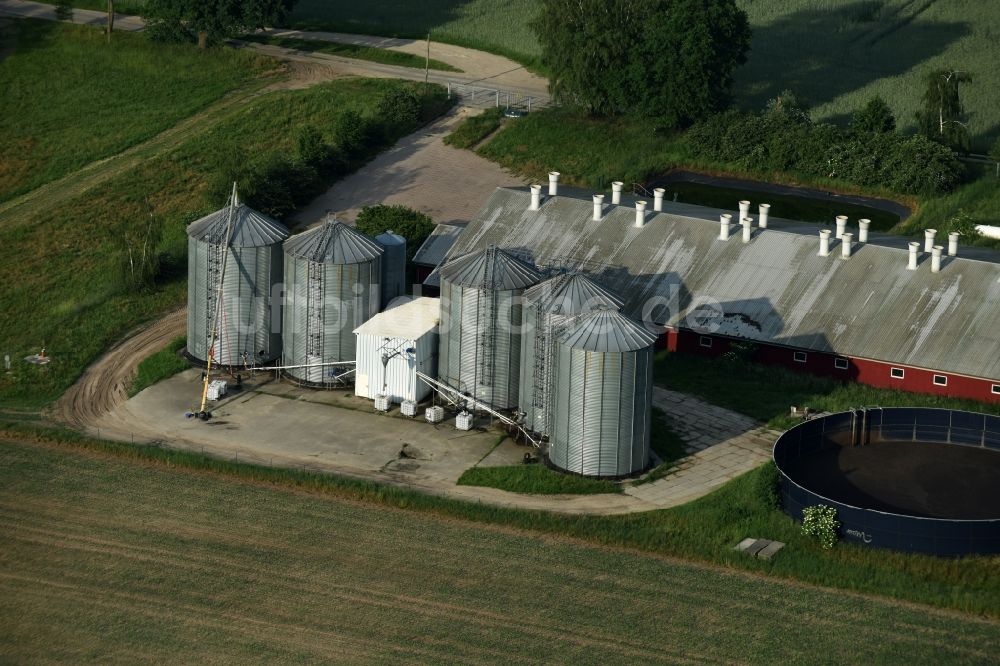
point(911, 479)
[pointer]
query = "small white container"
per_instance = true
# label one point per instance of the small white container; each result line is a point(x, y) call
point(381, 403)
point(464, 421)
point(434, 414)
point(408, 408)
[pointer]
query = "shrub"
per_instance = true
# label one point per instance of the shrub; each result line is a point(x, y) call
point(64, 10)
point(412, 225)
point(311, 147)
point(399, 106)
point(875, 116)
point(349, 133)
point(820, 522)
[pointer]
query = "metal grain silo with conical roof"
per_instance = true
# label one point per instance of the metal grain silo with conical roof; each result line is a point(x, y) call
point(480, 340)
point(241, 248)
point(332, 286)
point(603, 391)
point(548, 308)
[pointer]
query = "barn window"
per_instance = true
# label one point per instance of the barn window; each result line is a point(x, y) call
point(800, 357)
point(996, 389)
point(840, 363)
point(897, 373)
point(705, 341)
point(940, 380)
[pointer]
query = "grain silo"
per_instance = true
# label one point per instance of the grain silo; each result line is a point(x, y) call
point(250, 269)
point(332, 286)
point(549, 308)
point(603, 390)
point(393, 266)
point(481, 325)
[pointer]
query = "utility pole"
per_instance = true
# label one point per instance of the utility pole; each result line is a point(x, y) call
point(111, 18)
point(427, 60)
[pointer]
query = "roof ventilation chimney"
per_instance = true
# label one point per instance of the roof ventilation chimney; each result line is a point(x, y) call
point(640, 214)
point(747, 223)
point(744, 209)
point(845, 245)
point(616, 192)
point(658, 199)
point(914, 249)
point(936, 259)
point(724, 221)
point(953, 244)
point(841, 225)
point(863, 225)
point(929, 235)
point(536, 197)
point(763, 210)
point(553, 183)
point(824, 243)
point(598, 206)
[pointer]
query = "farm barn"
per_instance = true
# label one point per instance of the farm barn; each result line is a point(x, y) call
point(918, 317)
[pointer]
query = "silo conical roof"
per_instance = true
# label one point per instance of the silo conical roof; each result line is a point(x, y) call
point(491, 268)
point(390, 238)
point(570, 294)
point(334, 242)
point(608, 331)
point(250, 228)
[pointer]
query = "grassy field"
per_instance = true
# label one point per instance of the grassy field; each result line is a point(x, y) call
point(69, 98)
point(384, 56)
point(130, 561)
point(165, 363)
point(536, 479)
point(475, 128)
point(766, 392)
point(70, 253)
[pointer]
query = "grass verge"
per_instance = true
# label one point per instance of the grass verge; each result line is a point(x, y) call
point(704, 530)
point(766, 392)
point(474, 129)
point(536, 479)
point(665, 443)
point(384, 56)
point(70, 98)
point(157, 367)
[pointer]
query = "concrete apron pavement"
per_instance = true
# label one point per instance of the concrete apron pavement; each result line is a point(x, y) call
point(282, 425)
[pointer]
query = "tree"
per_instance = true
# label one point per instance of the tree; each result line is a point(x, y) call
point(412, 225)
point(875, 116)
point(671, 60)
point(941, 118)
point(209, 21)
point(790, 106)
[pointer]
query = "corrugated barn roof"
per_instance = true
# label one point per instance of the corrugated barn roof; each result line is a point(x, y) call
point(570, 294)
point(250, 228)
point(773, 289)
point(333, 242)
point(608, 331)
point(490, 268)
point(434, 249)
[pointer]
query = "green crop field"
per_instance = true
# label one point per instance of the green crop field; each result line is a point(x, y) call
point(105, 559)
point(69, 98)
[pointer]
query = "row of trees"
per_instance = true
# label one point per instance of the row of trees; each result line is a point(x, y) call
point(209, 21)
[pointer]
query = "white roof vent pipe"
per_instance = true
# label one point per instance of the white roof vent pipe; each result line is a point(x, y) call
point(863, 225)
point(724, 221)
point(763, 211)
point(929, 235)
point(824, 243)
point(640, 214)
point(747, 223)
point(914, 249)
point(936, 259)
point(744, 209)
point(598, 207)
point(953, 244)
point(845, 245)
point(616, 192)
point(553, 183)
point(658, 199)
point(536, 197)
point(841, 226)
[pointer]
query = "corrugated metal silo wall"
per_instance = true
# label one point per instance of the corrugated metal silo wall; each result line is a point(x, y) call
point(535, 388)
point(481, 343)
point(340, 298)
point(601, 411)
point(398, 378)
point(393, 272)
point(246, 322)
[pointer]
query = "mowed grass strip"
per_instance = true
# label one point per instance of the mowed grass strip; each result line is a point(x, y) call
point(158, 366)
point(69, 98)
point(535, 479)
point(106, 559)
point(372, 54)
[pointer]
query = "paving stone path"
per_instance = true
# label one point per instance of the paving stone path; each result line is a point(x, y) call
point(722, 445)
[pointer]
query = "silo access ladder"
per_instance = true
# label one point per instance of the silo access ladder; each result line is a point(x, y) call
point(456, 397)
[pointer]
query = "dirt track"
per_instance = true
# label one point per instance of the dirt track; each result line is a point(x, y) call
point(104, 385)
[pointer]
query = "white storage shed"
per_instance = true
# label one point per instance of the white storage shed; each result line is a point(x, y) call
point(393, 346)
